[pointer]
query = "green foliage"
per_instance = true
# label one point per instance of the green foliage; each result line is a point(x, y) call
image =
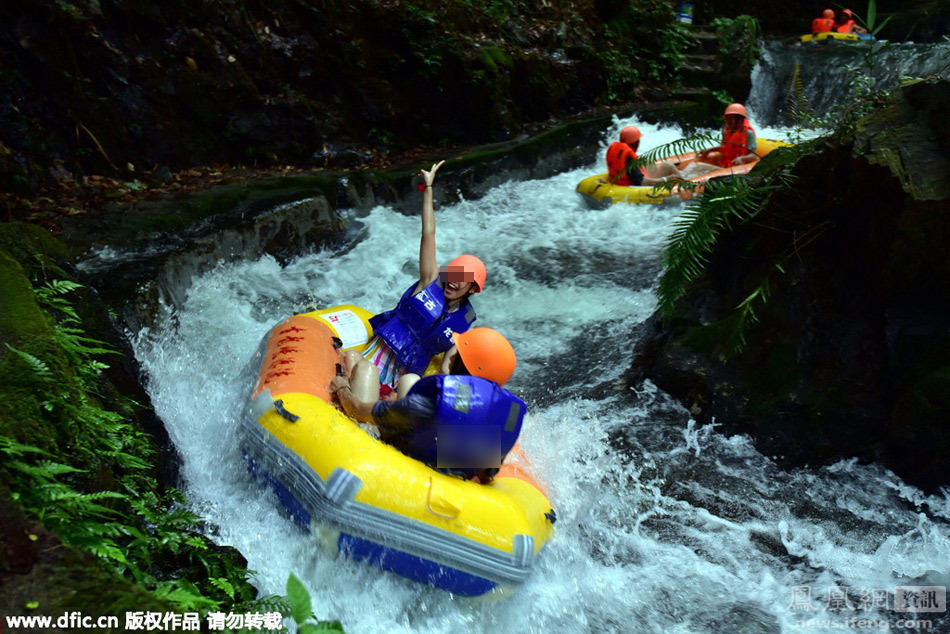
point(692, 143)
point(798, 108)
point(102, 497)
point(738, 38)
point(137, 530)
point(870, 22)
point(643, 44)
point(301, 609)
point(695, 234)
point(844, 115)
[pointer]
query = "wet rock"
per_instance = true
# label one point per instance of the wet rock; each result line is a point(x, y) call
point(850, 352)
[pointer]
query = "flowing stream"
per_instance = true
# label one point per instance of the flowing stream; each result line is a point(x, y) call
point(663, 526)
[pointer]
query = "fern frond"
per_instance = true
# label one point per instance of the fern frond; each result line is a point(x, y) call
point(800, 111)
point(13, 448)
point(38, 366)
point(674, 148)
point(696, 231)
point(222, 584)
point(57, 287)
point(269, 603)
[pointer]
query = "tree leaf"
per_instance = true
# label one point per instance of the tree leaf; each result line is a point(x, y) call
point(300, 607)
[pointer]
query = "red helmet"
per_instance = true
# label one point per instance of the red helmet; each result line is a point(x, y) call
point(735, 108)
point(847, 12)
point(473, 266)
point(630, 135)
point(828, 13)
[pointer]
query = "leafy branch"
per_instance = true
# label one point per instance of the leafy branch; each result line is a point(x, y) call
point(695, 234)
point(692, 143)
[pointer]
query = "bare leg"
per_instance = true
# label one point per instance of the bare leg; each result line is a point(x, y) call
point(364, 381)
point(663, 169)
point(351, 359)
point(707, 164)
point(406, 381)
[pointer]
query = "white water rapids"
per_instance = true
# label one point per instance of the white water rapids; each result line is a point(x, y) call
point(662, 526)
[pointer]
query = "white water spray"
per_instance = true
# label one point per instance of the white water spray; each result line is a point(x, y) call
point(662, 527)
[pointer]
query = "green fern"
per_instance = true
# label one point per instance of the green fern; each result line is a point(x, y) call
point(692, 143)
point(695, 234)
point(799, 110)
point(37, 366)
point(223, 585)
point(696, 231)
point(129, 528)
point(302, 611)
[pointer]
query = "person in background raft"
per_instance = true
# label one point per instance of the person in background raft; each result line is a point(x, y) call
point(620, 156)
point(420, 326)
point(825, 23)
point(738, 142)
point(463, 423)
point(845, 23)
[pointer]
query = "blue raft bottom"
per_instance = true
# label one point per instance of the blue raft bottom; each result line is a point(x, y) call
point(389, 559)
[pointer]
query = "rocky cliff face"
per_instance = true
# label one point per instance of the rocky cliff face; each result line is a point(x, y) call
point(851, 353)
point(121, 87)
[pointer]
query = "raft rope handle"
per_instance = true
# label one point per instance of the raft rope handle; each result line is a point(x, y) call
point(279, 406)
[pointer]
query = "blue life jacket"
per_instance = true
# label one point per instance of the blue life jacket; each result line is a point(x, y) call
point(420, 326)
point(476, 424)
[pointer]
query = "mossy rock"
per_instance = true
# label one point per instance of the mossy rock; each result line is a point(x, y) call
point(36, 249)
point(43, 576)
point(24, 327)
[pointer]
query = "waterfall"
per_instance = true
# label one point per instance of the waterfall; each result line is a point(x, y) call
point(831, 73)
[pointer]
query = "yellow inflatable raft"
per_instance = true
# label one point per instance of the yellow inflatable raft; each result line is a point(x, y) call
point(598, 193)
point(834, 36)
point(829, 36)
point(372, 502)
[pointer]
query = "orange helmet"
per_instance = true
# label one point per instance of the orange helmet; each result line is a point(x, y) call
point(828, 13)
point(471, 264)
point(847, 12)
point(735, 108)
point(486, 353)
point(630, 135)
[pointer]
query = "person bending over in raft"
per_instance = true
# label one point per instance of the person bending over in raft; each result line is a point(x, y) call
point(420, 325)
point(825, 23)
point(463, 423)
point(845, 23)
point(738, 142)
point(621, 155)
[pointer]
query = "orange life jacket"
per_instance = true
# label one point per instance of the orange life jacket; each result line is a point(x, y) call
point(822, 25)
point(618, 156)
point(734, 143)
point(846, 27)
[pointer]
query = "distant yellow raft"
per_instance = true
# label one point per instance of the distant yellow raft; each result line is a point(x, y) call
point(831, 35)
point(599, 193)
point(372, 502)
point(834, 36)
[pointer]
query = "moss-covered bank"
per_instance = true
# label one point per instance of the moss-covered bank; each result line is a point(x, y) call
point(85, 521)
